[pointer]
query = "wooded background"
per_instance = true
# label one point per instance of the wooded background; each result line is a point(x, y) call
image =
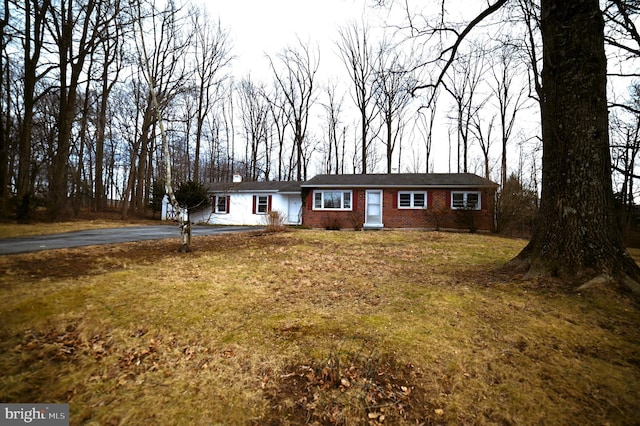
point(78, 129)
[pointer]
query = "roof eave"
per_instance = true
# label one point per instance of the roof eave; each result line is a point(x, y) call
point(253, 191)
point(433, 186)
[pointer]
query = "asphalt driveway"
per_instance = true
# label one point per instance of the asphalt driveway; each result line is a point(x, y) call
point(107, 236)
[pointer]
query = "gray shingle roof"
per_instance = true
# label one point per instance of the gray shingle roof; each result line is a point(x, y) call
point(283, 187)
point(398, 180)
point(458, 180)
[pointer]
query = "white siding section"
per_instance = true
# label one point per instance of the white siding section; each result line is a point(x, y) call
point(241, 210)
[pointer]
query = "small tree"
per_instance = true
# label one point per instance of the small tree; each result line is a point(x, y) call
point(192, 197)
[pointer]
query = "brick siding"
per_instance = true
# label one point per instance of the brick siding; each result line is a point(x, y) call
point(437, 215)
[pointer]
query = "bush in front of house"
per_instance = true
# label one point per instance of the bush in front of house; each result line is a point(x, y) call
point(332, 223)
point(355, 218)
point(436, 216)
point(467, 218)
point(275, 221)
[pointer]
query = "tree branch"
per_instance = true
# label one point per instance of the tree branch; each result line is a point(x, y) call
point(625, 107)
point(625, 172)
point(628, 23)
point(454, 48)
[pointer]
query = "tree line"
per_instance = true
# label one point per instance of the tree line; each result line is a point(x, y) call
point(79, 128)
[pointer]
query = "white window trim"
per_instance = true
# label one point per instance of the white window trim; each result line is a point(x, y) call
point(215, 204)
point(266, 204)
point(465, 194)
point(413, 205)
point(342, 208)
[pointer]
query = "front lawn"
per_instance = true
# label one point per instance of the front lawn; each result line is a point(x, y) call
point(313, 327)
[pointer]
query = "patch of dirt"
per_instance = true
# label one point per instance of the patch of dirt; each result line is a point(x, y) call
point(353, 390)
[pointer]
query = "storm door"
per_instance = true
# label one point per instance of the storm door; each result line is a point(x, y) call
point(373, 217)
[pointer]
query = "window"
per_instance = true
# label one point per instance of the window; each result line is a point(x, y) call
point(220, 203)
point(261, 204)
point(465, 200)
point(332, 200)
point(412, 200)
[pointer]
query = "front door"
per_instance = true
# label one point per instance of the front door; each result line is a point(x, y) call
point(373, 217)
point(295, 207)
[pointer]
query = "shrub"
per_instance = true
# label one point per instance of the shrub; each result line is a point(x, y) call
point(467, 218)
point(332, 223)
point(517, 207)
point(275, 221)
point(356, 220)
point(436, 216)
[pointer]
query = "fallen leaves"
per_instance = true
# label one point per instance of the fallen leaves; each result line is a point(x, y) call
point(380, 389)
point(63, 345)
point(236, 333)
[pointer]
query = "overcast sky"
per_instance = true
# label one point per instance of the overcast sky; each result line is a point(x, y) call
point(261, 27)
point(258, 27)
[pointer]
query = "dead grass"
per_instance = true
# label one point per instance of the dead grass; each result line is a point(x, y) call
point(313, 327)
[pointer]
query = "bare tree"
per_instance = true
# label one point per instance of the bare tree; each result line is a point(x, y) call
point(334, 149)
point(167, 41)
point(510, 99)
point(296, 79)
point(228, 116)
point(254, 115)
point(217, 130)
point(358, 56)
point(77, 29)
point(211, 54)
point(5, 115)
point(34, 19)
point(623, 35)
point(281, 119)
point(576, 230)
point(392, 88)
point(622, 38)
point(625, 148)
point(425, 124)
point(575, 235)
point(149, 77)
point(483, 136)
point(112, 53)
point(79, 166)
point(463, 86)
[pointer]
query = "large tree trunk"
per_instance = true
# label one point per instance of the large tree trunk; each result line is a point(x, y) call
point(59, 178)
point(6, 114)
point(576, 233)
point(32, 29)
point(58, 186)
